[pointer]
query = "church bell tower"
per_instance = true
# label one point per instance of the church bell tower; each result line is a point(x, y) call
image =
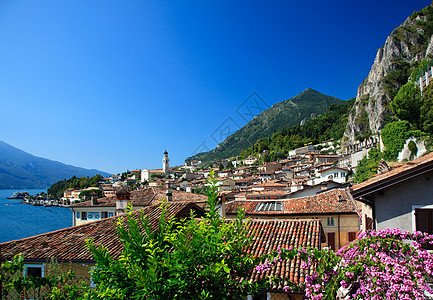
point(165, 161)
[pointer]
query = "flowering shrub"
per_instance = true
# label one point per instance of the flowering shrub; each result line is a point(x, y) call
point(387, 264)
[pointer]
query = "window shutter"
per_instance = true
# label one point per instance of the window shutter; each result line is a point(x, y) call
point(423, 220)
point(331, 240)
point(352, 236)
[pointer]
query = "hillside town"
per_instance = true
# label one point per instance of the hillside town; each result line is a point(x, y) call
point(298, 215)
point(305, 186)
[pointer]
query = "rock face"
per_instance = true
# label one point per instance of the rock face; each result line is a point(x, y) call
point(407, 45)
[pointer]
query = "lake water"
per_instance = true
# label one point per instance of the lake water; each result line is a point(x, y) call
point(19, 220)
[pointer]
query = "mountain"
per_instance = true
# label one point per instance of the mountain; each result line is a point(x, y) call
point(284, 114)
point(404, 50)
point(19, 169)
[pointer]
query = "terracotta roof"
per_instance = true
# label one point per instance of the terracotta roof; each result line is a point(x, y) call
point(256, 193)
point(269, 183)
point(272, 234)
point(411, 169)
point(338, 201)
point(145, 197)
point(69, 244)
point(333, 168)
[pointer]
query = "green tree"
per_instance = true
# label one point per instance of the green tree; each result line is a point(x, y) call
point(406, 105)
point(427, 110)
point(394, 135)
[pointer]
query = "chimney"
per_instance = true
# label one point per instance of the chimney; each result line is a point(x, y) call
point(122, 198)
point(94, 199)
point(169, 195)
point(223, 205)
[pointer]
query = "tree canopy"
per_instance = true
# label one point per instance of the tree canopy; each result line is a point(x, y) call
point(406, 105)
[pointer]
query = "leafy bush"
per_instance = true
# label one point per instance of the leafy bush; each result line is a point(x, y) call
point(192, 259)
point(426, 113)
point(412, 148)
point(367, 167)
point(406, 105)
point(394, 136)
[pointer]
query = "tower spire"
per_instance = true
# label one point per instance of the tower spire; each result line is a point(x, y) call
point(165, 161)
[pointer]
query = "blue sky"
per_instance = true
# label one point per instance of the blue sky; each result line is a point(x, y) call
point(112, 84)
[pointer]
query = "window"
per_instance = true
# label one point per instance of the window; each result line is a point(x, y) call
point(424, 223)
point(78, 214)
point(269, 206)
point(35, 270)
point(261, 296)
point(331, 240)
point(93, 215)
point(83, 215)
point(352, 236)
point(104, 214)
point(331, 221)
point(110, 214)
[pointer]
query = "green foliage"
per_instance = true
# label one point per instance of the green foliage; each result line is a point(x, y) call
point(330, 125)
point(406, 105)
point(188, 259)
point(426, 26)
point(426, 111)
point(394, 135)
point(412, 148)
point(396, 78)
point(367, 167)
point(56, 190)
point(422, 67)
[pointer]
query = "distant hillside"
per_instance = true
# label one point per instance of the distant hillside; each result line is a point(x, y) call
point(19, 169)
point(284, 114)
point(329, 125)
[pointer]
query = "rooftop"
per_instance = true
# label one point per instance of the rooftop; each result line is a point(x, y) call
point(338, 201)
point(411, 169)
point(68, 244)
point(145, 197)
point(273, 234)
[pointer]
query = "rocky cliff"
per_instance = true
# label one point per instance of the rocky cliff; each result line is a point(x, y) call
point(404, 49)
